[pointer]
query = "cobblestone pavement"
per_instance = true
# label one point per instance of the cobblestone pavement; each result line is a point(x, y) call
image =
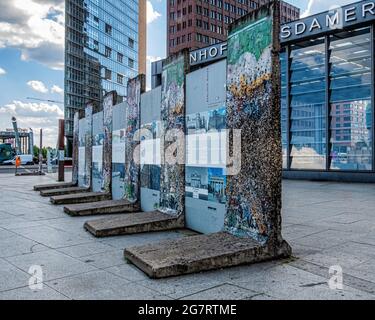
point(327, 224)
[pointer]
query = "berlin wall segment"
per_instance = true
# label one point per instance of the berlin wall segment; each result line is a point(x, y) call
point(252, 226)
point(253, 96)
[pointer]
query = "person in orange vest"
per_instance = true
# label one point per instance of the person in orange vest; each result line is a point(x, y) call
point(18, 161)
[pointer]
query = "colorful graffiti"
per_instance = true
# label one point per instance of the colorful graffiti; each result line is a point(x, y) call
point(172, 182)
point(109, 101)
point(81, 152)
point(75, 148)
point(132, 167)
point(88, 145)
point(254, 195)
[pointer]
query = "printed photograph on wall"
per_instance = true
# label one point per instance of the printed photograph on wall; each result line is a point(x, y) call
point(196, 183)
point(216, 185)
point(197, 122)
point(97, 161)
point(118, 163)
point(216, 119)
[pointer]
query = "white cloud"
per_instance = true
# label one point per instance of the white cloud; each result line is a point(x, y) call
point(152, 14)
point(57, 89)
point(36, 27)
point(316, 6)
point(38, 86)
point(33, 115)
point(2, 71)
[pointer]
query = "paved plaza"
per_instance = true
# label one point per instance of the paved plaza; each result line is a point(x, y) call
point(327, 224)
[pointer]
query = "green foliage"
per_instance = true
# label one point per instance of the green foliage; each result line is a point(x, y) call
point(36, 152)
point(253, 38)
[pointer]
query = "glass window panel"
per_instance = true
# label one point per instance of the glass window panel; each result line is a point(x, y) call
point(351, 110)
point(308, 111)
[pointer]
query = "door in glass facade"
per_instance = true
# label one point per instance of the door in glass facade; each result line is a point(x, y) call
point(350, 101)
point(308, 105)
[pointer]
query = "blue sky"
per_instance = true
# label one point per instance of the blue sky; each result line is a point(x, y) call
point(31, 57)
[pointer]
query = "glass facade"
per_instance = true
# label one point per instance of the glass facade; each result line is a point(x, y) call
point(101, 51)
point(327, 93)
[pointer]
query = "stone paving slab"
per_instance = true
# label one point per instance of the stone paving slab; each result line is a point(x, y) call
point(62, 191)
point(195, 254)
point(49, 186)
point(101, 207)
point(80, 198)
point(133, 223)
point(42, 234)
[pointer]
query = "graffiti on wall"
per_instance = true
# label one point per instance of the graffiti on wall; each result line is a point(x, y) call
point(132, 168)
point(172, 182)
point(254, 195)
point(75, 148)
point(109, 101)
point(81, 152)
point(88, 144)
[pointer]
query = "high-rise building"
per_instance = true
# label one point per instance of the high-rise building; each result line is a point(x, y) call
point(105, 45)
point(196, 24)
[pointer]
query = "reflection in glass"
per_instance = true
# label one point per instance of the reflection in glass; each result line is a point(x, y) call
point(284, 109)
point(351, 141)
point(308, 112)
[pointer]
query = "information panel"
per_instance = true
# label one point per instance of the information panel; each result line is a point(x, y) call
point(97, 151)
point(118, 151)
point(205, 178)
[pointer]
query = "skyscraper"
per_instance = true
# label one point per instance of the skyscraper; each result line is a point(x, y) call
point(196, 24)
point(105, 45)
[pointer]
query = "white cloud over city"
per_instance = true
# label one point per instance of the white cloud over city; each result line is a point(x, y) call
point(37, 86)
point(36, 27)
point(152, 14)
point(57, 89)
point(316, 6)
point(2, 71)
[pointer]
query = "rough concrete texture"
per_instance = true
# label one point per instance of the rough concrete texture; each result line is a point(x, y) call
point(62, 191)
point(253, 107)
point(101, 207)
point(198, 253)
point(109, 101)
point(172, 115)
point(133, 223)
point(75, 148)
point(132, 168)
point(80, 198)
point(49, 186)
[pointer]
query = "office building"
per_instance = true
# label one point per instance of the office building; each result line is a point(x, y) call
point(196, 24)
point(105, 45)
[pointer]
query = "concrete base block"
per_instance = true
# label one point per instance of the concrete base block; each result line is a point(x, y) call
point(50, 186)
point(80, 197)
point(36, 173)
point(62, 191)
point(101, 207)
point(134, 223)
point(200, 253)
